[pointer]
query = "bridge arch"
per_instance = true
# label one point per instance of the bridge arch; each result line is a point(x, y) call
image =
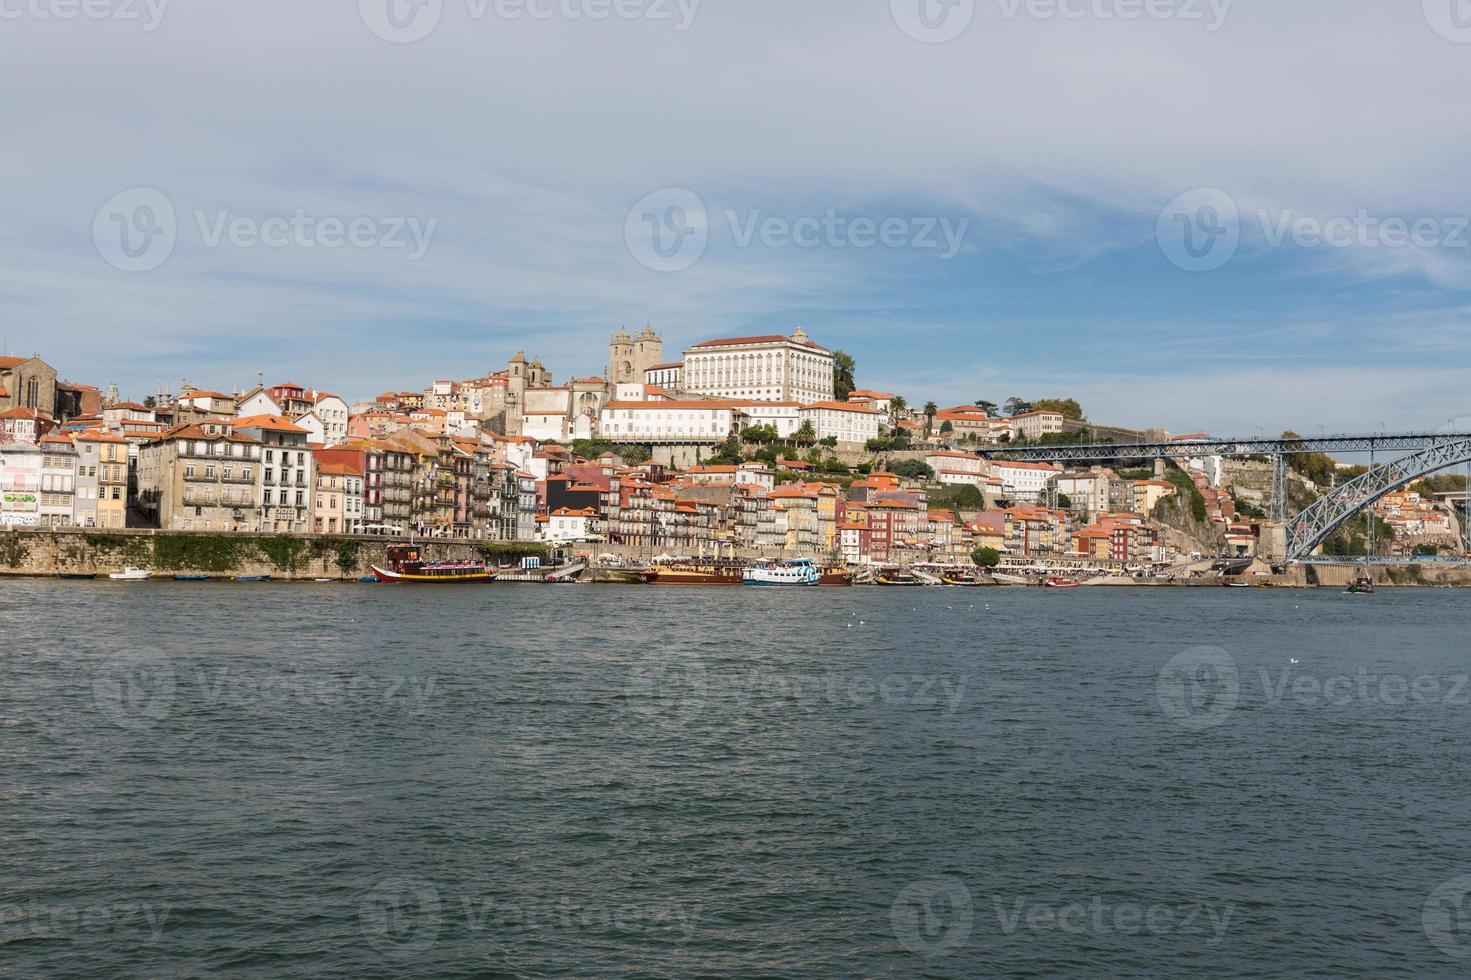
point(1312, 527)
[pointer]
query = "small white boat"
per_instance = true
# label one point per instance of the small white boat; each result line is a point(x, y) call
point(794, 571)
point(131, 574)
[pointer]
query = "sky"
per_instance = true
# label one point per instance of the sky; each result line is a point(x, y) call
point(1192, 214)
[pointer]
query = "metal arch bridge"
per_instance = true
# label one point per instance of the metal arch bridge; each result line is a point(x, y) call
point(1426, 453)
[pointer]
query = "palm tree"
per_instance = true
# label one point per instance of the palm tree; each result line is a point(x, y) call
point(930, 408)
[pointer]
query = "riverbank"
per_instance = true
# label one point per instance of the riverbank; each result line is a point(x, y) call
point(284, 557)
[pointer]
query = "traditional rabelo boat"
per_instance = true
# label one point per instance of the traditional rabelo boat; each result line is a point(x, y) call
point(406, 565)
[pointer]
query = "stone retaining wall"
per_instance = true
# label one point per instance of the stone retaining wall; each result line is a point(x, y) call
point(288, 557)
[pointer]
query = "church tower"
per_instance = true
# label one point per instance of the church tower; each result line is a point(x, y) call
point(621, 360)
point(648, 351)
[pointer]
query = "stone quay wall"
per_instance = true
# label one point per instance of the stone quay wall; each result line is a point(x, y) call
point(287, 557)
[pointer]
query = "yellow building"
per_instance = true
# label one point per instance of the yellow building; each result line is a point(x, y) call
point(111, 454)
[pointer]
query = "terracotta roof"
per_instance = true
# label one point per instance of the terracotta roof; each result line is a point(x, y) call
point(274, 423)
point(26, 413)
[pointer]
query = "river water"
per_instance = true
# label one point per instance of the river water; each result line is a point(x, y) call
point(350, 781)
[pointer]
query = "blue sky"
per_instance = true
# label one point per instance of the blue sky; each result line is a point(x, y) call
point(526, 152)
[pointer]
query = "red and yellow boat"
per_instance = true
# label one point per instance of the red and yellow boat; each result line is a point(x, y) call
point(406, 565)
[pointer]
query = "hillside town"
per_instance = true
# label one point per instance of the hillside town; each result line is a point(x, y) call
point(745, 446)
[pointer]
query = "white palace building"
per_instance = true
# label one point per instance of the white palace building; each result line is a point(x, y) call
point(768, 368)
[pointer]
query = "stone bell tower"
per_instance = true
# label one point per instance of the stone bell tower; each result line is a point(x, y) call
point(621, 359)
point(648, 351)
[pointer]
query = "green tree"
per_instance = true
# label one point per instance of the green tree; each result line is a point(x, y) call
point(1067, 407)
point(898, 406)
point(986, 557)
point(830, 442)
point(913, 469)
point(988, 407)
point(805, 435)
point(930, 410)
point(1318, 467)
point(845, 371)
point(1015, 406)
point(946, 428)
point(634, 454)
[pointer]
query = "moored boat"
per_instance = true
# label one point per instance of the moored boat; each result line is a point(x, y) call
point(898, 577)
point(708, 572)
point(76, 575)
point(407, 566)
point(1057, 582)
point(131, 573)
point(793, 571)
point(192, 578)
point(252, 578)
point(1363, 585)
point(836, 575)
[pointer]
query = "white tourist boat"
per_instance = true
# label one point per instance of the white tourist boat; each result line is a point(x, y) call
point(794, 571)
point(131, 574)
